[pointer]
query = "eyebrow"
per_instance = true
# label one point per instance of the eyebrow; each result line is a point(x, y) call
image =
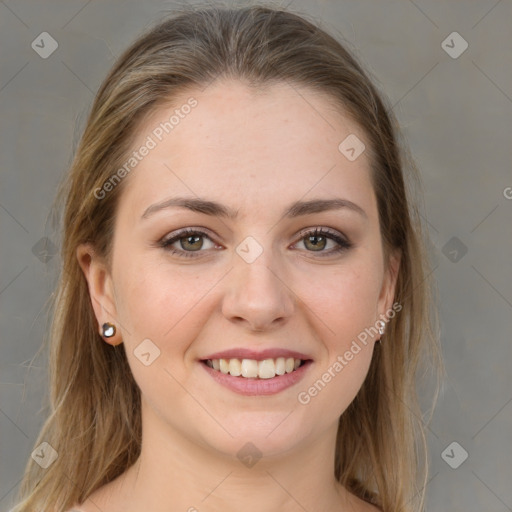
point(296, 209)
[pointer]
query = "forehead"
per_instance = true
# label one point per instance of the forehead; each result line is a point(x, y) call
point(247, 147)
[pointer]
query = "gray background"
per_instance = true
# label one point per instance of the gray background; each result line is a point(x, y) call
point(456, 116)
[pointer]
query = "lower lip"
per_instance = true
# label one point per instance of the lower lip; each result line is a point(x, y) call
point(256, 386)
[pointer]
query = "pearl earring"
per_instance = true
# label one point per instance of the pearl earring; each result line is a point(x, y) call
point(381, 330)
point(108, 330)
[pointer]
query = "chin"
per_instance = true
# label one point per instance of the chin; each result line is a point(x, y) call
point(267, 434)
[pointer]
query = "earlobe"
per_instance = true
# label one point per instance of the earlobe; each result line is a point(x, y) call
point(390, 281)
point(387, 293)
point(99, 282)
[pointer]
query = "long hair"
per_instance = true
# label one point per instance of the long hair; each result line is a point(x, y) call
point(94, 420)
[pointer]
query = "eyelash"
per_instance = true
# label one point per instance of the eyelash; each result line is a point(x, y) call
point(343, 244)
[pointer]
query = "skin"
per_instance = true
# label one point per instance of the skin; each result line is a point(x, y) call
point(255, 152)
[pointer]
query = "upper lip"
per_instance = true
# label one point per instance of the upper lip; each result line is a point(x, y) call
point(258, 355)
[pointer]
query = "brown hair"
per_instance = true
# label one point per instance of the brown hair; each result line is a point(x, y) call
point(95, 417)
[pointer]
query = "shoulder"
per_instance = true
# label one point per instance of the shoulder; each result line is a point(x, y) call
point(100, 500)
point(365, 506)
point(351, 501)
point(87, 506)
point(368, 507)
point(361, 505)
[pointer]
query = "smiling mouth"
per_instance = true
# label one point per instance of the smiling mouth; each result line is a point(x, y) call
point(253, 369)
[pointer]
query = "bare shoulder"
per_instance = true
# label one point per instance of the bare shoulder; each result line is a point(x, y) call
point(81, 508)
point(91, 504)
point(360, 505)
point(103, 499)
point(365, 506)
point(370, 508)
point(87, 506)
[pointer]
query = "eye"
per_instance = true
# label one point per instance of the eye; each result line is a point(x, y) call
point(320, 238)
point(191, 242)
point(187, 242)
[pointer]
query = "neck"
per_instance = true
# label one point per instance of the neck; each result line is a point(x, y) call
point(175, 474)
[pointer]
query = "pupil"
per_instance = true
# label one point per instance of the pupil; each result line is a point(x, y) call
point(317, 245)
point(193, 239)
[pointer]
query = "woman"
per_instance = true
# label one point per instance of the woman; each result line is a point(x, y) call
point(244, 300)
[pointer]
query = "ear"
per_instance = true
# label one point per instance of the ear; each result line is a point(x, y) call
point(387, 293)
point(101, 289)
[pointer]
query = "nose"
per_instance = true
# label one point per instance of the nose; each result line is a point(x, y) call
point(258, 295)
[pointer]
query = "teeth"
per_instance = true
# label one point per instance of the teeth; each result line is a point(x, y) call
point(251, 369)
point(223, 365)
point(235, 367)
point(280, 366)
point(266, 369)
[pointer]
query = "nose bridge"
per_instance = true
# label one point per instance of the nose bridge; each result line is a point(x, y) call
point(257, 292)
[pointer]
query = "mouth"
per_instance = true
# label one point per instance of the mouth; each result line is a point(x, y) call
point(256, 369)
point(250, 372)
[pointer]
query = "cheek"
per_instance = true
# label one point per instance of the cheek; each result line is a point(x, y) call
point(344, 299)
point(161, 303)
point(344, 302)
point(169, 308)
point(344, 310)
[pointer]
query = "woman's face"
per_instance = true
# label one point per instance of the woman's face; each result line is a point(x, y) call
point(255, 283)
